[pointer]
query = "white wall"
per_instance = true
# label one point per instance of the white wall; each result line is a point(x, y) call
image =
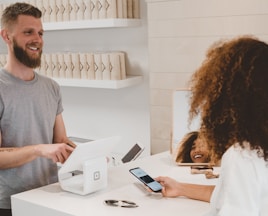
point(96, 113)
point(180, 32)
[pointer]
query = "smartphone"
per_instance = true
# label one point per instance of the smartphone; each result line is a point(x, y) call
point(133, 153)
point(146, 179)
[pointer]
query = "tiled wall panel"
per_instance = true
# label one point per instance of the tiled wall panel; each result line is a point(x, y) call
point(179, 33)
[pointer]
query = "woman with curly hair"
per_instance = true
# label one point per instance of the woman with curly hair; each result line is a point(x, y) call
point(230, 92)
point(192, 149)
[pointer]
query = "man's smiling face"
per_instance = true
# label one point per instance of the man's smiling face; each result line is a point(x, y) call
point(27, 40)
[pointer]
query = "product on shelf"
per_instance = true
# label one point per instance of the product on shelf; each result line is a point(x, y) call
point(73, 10)
point(92, 66)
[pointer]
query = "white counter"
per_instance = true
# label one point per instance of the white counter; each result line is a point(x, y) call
point(52, 200)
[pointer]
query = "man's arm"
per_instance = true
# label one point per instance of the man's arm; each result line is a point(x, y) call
point(59, 152)
point(14, 157)
point(60, 135)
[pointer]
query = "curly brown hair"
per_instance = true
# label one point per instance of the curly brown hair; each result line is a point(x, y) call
point(230, 92)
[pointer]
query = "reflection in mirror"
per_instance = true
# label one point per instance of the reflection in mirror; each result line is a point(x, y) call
point(180, 117)
point(192, 149)
point(186, 146)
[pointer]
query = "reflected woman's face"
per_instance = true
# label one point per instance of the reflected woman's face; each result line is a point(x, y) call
point(199, 152)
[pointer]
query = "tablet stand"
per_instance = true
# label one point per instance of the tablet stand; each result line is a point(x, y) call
point(90, 178)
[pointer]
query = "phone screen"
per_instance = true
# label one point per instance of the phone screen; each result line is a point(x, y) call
point(132, 154)
point(146, 179)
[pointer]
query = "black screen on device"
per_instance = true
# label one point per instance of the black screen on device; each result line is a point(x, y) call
point(131, 154)
point(146, 179)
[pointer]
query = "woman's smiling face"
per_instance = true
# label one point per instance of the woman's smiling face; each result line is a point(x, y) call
point(199, 152)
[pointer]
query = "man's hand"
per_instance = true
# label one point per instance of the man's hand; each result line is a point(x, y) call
point(58, 152)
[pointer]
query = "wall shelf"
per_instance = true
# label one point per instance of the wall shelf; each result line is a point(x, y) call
point(105, 84)
point(93, 23)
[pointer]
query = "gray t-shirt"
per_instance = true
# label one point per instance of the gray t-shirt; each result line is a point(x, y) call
point(27, 116)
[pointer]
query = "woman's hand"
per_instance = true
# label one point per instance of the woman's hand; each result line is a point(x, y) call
point(171, 188)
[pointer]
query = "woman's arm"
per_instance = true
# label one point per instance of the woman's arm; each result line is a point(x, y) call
point(172, 188)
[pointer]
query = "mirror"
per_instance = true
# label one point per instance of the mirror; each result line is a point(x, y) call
point(183, 134)
point(180, 111)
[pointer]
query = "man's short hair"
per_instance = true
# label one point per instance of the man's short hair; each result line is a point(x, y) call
point(11, 13)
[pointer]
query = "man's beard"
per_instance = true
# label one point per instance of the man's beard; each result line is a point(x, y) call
point(24, 58)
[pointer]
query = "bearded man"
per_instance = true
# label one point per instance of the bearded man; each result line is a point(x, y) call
point(32, 131)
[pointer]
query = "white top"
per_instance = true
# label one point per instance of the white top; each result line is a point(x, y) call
point(242, 188)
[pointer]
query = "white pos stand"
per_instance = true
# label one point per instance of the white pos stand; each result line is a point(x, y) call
point(86, 169)
point(91, 178)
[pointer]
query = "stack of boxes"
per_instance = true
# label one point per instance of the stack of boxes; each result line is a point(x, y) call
point(92, 66)
point(72, 10)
